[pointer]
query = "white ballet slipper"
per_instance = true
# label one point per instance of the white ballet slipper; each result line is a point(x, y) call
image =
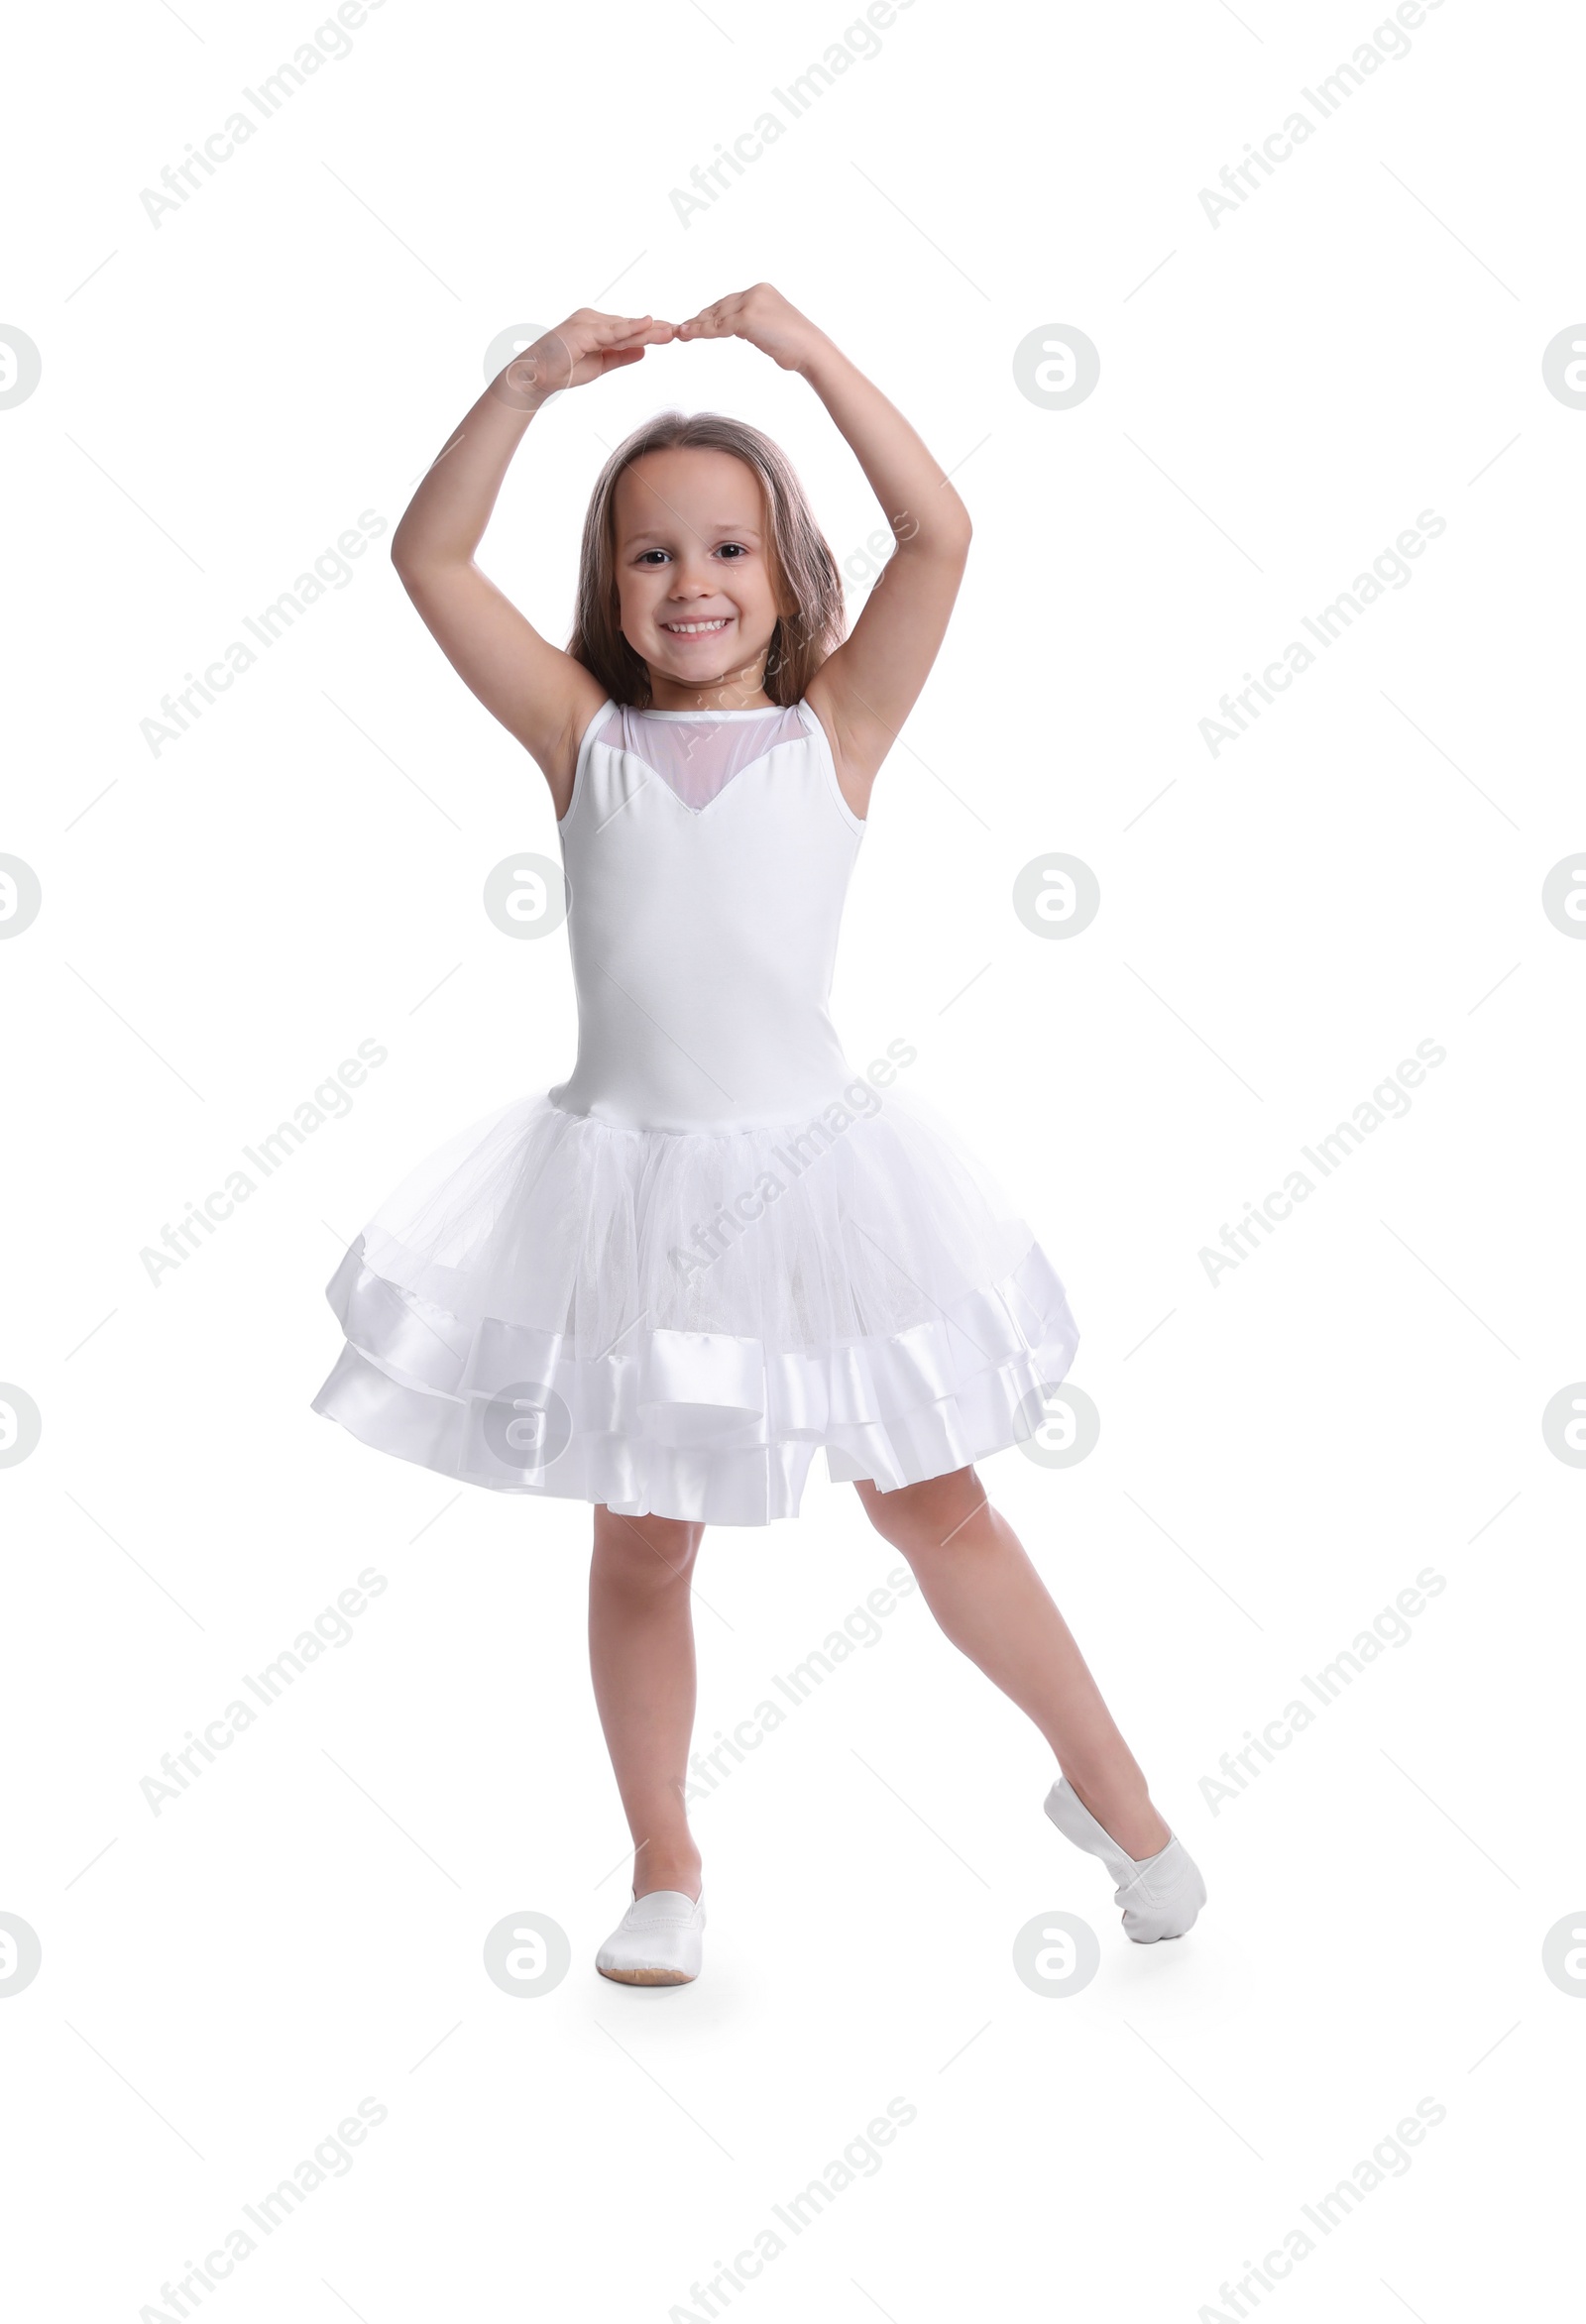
point(1161, 1895)
point(657, 1941)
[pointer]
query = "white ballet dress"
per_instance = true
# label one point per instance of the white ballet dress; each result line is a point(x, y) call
point(720, 1243)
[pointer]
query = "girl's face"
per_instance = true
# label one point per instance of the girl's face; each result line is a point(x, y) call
point(696, 594)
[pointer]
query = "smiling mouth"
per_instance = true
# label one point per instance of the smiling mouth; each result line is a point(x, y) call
point(696, 628)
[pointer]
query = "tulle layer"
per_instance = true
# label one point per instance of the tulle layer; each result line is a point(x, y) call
point(672, 1323)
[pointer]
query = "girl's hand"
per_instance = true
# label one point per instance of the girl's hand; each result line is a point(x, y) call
point(585, 347)
point(766, 319)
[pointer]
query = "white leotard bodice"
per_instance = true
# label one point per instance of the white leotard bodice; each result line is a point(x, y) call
point(708, 854)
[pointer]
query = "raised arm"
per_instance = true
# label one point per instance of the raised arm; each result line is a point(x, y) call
point(865, 689)
point(539, 693)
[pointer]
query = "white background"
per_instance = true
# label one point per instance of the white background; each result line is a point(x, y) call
point(1280, 396)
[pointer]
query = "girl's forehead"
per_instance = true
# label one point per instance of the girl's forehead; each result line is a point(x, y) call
point(689, 477)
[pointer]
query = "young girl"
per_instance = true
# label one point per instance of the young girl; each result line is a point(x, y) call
point(718, 1244)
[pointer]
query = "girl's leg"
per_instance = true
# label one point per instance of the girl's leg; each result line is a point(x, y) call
point(641, 1660)
point(991, 1603)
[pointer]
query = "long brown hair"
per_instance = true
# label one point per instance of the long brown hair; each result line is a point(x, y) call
point(802, 565)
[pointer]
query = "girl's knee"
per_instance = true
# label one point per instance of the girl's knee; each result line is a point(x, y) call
point(651, 1549)
point(923, 1518)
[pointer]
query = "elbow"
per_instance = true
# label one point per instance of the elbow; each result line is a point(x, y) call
point(402, 550)
point(946, 539)
point(414, 564)
point(414, 554)
point(943, 531)
point(407, 574)
point(957, 529)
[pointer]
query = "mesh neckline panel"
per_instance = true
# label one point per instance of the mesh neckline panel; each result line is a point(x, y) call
point(695, 759)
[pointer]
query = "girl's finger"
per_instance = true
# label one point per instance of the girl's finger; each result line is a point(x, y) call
point(642, 336)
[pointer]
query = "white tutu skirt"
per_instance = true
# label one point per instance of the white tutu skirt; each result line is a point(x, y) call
point(671, 1323)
